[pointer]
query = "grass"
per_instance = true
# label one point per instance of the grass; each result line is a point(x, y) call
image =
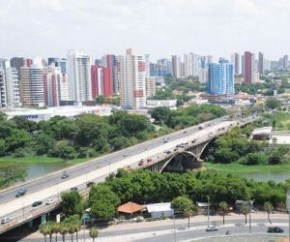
point(41, 159)
point(235, 168)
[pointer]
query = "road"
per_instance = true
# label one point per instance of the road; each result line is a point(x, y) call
point(163, 230)
point(50, 186)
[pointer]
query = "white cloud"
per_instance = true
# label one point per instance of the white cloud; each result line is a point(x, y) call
point(160, 28)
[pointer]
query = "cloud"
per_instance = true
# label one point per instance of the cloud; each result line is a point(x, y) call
point(160, 28)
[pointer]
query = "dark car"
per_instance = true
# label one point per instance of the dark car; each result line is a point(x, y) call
point(74, 189)
point(90, 184)
point(36, 203)
point(21, 192)
point(64, 175)
point(275, 230)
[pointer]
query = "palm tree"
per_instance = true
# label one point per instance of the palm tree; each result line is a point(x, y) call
point(245, 210)
point(71, 230)
point(77, 228)
point(44, 229)
point(63, 230)
point(224, 207)
point(268, 207)
point(55, 229)
point(94, 233)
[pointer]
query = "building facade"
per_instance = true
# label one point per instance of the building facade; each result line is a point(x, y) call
point(79, 77)
point(221, 78)
point(132, 79)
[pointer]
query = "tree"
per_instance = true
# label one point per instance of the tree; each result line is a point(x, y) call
point(47, 229)
point(100, 99)
point(268, 207)
point(10, 173)
point(161, 114)
point(184, 206)
point(63, 230)
point(224, 207)
point(44, 229)
point(55, 227)
point(93, 233)
point(73, 224)
point(245, 210)
point(273, 103)
point(71, 203)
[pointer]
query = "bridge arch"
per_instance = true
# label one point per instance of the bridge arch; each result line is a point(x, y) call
point(182, 161)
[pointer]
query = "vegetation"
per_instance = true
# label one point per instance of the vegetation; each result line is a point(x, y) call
point(234, 146)
point(10, 173)
point(223, 206)
point(72, 203)
point(184, 206)
point(93, 233)
point(182, 189)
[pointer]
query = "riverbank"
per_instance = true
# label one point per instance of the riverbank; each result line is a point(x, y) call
point(235, 168)
point(42, 160)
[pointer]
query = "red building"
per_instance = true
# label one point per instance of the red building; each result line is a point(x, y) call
point(248, 67)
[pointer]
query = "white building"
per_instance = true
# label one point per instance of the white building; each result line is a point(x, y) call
point(9, 85)
point(132, 79)
point(79, 77)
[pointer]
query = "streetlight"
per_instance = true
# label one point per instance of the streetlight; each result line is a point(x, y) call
point(288, 209)
point(174, 230)
point(250, 221)
point(208, 204)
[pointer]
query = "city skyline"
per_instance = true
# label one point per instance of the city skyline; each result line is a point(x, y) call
point(161, 29)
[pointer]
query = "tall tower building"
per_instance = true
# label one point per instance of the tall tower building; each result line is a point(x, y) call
point(236, 59)
point(261, 63)
point(79, 77)
point(32, 85)
point(221, 78)
point(132, 76)
point(249, 67)
point(111, 85)
point(54, 87)
point(176, 72)
point(9, 85)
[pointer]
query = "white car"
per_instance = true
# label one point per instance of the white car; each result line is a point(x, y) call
point(49, 201)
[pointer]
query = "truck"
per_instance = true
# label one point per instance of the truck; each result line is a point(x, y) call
point(201, 126)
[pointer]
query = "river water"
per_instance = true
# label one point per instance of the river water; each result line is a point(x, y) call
point(36, 170)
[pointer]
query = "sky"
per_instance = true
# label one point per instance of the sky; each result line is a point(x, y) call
point(160, 28)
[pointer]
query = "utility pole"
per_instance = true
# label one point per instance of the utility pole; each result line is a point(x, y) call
point(250, 220)
point(208, 204)
point(288, 209)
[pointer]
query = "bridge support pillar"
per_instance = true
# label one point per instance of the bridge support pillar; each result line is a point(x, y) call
point(43, 219)
point(30, 224)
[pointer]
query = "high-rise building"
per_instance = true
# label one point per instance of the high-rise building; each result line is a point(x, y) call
point(132, 79)
point(235, 59)
point(176, 72)
point(9, 85)
point(32, 91)
point(261, 63)
point(221, 78)
point(52, 81)
point(79, 77)
point(111, 85)
point(249, 67)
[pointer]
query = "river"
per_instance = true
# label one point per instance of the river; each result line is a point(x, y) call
point(36, 170)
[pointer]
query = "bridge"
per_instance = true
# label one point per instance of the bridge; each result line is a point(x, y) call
point(178, 151)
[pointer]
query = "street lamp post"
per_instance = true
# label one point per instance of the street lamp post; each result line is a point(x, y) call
point(288, 209)
point(174, 230)
point(250, 220)
point(208, 204)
